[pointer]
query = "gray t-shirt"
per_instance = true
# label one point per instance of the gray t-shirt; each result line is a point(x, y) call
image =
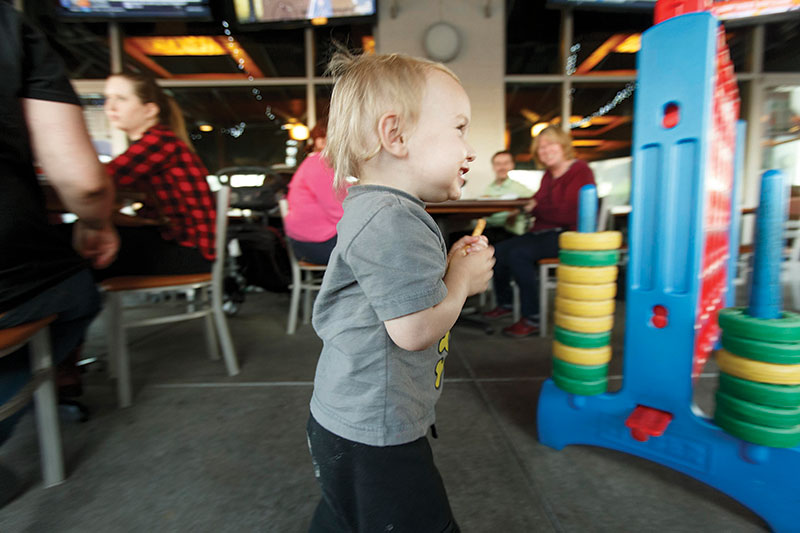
point(389, 261)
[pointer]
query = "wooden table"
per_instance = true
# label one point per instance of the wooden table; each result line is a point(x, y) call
point(475, 208)
point(453, 215)
point(124, 197)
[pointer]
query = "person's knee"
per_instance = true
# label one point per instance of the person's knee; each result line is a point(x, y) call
point(86, 300)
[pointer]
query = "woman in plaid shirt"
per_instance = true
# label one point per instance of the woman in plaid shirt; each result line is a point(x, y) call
point(161, 163)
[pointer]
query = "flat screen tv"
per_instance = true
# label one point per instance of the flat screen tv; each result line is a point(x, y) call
point(619, 5)
point(747, 10)
point(299, 12)
point(726, 10)
point(134, 10)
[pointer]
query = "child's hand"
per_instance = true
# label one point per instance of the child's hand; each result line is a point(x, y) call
point(468, 244)
point(473, 269)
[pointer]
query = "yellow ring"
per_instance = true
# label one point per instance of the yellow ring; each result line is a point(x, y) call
point(582, 356)
point(586, 275)
point(585, 291)
point(584, 308)
point(602, 240)
point(757, 370)
point(583, 324)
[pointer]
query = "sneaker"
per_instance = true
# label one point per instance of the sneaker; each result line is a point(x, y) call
point(523, 328)
point(497, 312)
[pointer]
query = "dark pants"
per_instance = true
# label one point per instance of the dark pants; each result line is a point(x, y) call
point(494, 235)
point(313, 252)
point(76, 301)
point(377, 488)
point(144, 252)
point(517, 259)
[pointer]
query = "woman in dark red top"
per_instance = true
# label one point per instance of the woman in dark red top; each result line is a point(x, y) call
point(161, 163)
point(555, 208)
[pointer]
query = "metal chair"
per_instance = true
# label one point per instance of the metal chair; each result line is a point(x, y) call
point(42, 388)
point(209, 307)
point(304, 281)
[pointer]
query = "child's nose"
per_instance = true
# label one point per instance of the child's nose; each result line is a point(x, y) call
point(470, 153)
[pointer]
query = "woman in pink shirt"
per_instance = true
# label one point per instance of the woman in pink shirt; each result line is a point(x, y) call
point(314, 207)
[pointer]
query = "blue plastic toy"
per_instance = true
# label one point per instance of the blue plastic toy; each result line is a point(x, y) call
point(680, 232)
point(587, 209)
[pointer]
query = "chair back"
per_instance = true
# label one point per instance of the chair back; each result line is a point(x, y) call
point(283, 205)
point(221, 231)
point(602, 213)
point(791, 232)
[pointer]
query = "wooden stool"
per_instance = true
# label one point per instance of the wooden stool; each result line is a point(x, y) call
point(42, 388)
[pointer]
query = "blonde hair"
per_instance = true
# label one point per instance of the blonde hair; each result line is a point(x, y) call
point(557, 134)
point(367, 86)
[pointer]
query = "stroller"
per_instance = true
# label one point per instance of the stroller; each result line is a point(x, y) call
point(257, 254)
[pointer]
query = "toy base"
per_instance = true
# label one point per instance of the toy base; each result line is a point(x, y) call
point(767, 480)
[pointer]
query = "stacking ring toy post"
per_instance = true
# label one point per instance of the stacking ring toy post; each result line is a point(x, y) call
point(681, 237)
point(587, 209)
point(757, 400)
point(585, 302)
point(765, 294)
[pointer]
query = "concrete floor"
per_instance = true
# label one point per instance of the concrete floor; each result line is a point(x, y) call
point(199, 451)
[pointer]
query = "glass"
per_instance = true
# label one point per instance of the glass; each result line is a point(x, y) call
point(82, 47)
point(213, 51)
point(782, 133)
point(249, 123)
point(322, 95)
point(602, 120)
point(356, 37)
point(532, 38)
point(781, 43)
point(606, 42)
point(278, 53)
point(739, 45)
point(527, 105)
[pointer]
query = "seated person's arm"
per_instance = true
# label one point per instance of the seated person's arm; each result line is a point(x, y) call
point(467, 275)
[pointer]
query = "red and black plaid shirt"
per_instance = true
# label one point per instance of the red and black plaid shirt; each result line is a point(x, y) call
point(162, 164)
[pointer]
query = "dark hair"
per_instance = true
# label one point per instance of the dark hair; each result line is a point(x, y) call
point(501, 152)
point(320, 129)
point(169, 113)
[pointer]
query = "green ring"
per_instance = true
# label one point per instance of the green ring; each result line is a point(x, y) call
point(761, 393)
point(584, 388)
point(579, 372)
point(589, 258)
point(765, 436)
point(735, 321)
point(782, 353)
point(763, 415)
point(576, 339)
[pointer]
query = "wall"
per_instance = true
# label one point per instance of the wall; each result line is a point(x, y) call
point(480, 64)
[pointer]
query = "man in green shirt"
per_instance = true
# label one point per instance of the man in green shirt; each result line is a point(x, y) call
point(501, 226)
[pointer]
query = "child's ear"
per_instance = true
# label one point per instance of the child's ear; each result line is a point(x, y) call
point(391, 136)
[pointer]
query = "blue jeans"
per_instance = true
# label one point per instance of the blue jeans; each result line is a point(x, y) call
point(314, 252)
point(517, 259)
point(77, 302)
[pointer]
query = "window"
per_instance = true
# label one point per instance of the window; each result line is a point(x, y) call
point(532, 37)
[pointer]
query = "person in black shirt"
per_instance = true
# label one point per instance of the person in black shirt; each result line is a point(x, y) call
point(40, 273)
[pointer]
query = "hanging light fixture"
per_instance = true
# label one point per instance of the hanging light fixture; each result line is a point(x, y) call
point(298, 132)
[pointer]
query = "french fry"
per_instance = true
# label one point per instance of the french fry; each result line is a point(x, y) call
point(480, 225)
